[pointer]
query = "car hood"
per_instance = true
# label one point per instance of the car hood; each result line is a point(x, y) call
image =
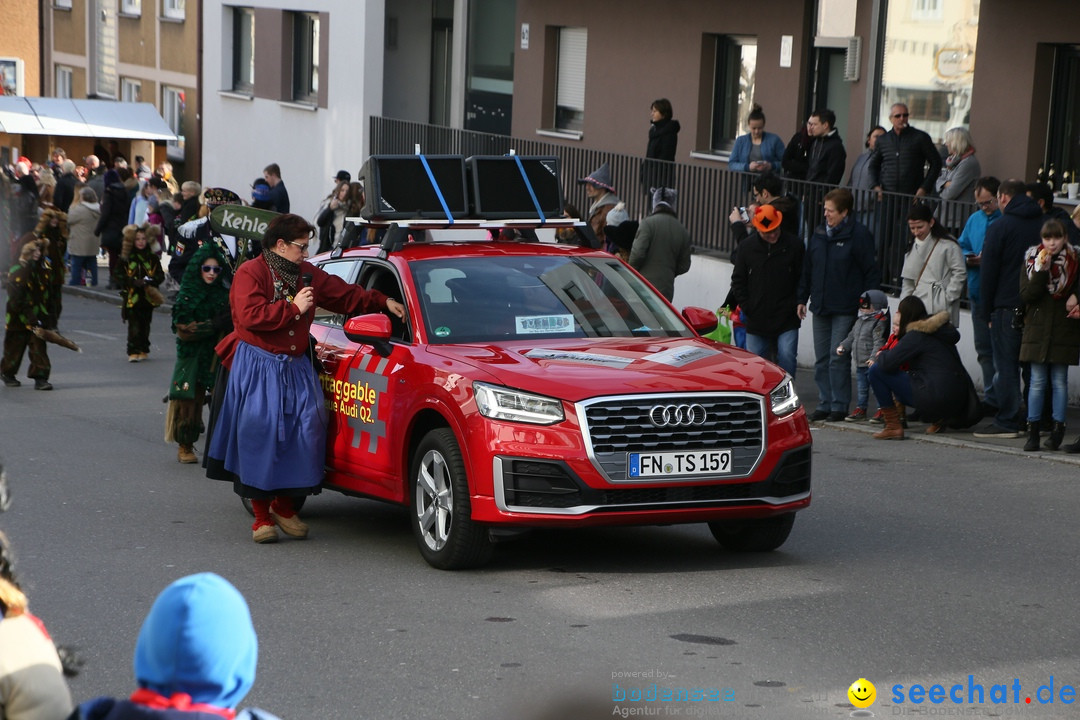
point(579, 369)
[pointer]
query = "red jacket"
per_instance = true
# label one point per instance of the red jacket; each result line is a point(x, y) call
point(279, 327)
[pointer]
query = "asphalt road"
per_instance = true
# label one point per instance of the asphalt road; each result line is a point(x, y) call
point(918, 563)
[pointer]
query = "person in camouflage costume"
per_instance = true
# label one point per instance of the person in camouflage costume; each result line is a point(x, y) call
point(53, 227)
point(27, 307)
point(138, 269)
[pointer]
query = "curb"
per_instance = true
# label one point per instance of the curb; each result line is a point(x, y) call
point(110, 297)
point(956, 438)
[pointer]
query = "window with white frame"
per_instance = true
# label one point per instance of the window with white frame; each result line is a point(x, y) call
point(130, 90)
point(243, 50)
point(172, 110)
point(62, 4)
point(63, 81)
point(305, 57)
point(570, 79)
point(172, 9)
point(131, 7)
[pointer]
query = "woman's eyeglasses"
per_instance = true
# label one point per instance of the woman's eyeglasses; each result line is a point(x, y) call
point(303, 246)
point(211, 269)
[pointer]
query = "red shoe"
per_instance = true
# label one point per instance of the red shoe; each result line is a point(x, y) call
point(879, 417)
point(858, 416)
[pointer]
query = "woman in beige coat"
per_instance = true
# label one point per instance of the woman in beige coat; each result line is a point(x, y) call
point(934, 270)
point(83, 245)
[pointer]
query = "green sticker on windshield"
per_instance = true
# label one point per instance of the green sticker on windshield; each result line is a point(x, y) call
point(442, 331)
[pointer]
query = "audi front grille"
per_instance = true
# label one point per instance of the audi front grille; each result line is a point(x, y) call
point(614, 427)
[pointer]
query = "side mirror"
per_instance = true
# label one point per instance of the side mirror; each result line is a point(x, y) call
point(373, 329)
point(703, 321)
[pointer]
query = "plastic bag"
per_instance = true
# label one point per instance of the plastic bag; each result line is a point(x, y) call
point(723, 330)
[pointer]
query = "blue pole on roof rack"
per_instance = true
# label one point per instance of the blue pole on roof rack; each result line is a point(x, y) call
point(529, 187)
point(438, 190)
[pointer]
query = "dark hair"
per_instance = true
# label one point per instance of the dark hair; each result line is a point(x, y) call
point(769, 181)
point(842, 198)
point(287, 227)
point(911, 309)
point(663, 106)
point(1053, 228)
point(1012, 188)
point(871, 134)
point(756, 113)
point(1041, 191)
point(826, 116)
point(273, 169)
point(922, 212)
point(988, 183)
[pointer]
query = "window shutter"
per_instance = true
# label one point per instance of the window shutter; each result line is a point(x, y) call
point(571, 90)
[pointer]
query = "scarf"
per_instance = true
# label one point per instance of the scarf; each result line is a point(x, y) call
point(178, 701)
point(286, 275)
point(1062, 269)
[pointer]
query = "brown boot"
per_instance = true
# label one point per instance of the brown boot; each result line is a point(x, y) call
point(901, 412)
point(186, 455)
point(893, 430)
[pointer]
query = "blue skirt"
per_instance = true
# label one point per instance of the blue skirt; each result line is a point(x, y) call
point(271, 430)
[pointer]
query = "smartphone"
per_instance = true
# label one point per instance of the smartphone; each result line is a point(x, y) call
point(745, 215)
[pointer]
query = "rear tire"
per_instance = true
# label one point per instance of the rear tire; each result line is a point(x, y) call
point(441, 513)
point(756, 535)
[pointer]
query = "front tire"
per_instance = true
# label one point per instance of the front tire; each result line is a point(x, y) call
point(756, 535)
point(441, 511)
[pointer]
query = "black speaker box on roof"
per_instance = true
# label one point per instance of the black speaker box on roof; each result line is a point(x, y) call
point(500, 191)
point(398, 187)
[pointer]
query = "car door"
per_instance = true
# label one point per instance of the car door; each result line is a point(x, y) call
point(362, 442)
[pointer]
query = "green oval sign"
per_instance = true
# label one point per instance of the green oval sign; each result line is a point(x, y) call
point(240, 221)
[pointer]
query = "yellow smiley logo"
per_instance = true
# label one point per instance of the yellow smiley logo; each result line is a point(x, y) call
point(862, 693)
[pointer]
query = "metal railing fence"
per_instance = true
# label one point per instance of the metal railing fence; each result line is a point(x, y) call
point(706, 194)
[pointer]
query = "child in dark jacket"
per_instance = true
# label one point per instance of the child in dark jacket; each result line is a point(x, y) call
point(862, 343)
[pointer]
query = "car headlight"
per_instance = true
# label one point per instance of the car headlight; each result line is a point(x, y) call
point(500, 403)
point(784, 398)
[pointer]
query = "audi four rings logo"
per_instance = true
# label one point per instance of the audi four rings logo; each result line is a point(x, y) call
point(677, 415)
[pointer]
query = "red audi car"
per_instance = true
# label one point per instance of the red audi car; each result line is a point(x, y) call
point(542, 385)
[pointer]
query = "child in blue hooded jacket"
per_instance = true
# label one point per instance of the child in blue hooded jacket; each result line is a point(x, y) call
point(194, 658)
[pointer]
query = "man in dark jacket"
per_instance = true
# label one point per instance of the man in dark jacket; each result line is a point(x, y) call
point(827, 156)
point(906, 160)
point(1003, 250)
point(65, 186)
point(839, 266)
point(1044, 195)
point(765, 283)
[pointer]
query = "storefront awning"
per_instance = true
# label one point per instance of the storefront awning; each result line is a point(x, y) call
point(82, 118)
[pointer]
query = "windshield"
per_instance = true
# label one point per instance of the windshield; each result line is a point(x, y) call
point(481, 299)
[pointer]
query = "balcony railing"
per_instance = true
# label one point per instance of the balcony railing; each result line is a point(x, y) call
point(706, 194)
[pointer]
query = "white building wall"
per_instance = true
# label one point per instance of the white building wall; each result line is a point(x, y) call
point(242, 136)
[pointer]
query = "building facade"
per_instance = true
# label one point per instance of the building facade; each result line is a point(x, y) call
point(132, 51)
